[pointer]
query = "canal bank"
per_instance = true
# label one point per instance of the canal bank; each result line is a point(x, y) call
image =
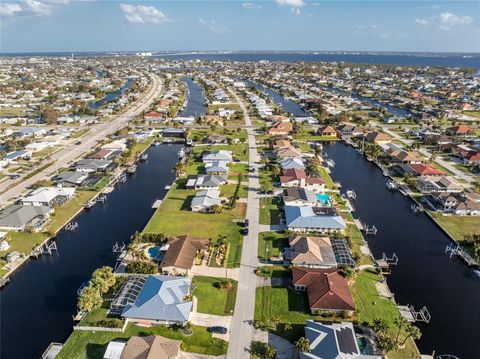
point(425, 275)
point(37, 306)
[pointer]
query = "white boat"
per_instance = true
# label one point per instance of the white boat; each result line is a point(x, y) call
point(391, 185)
point(144, 157)
point(351, 194)
point(131, 169)
point(181, 153)
point(330, 163)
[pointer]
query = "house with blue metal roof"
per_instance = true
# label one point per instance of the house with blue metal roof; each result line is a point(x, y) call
point(304, 219)
point(162, 300)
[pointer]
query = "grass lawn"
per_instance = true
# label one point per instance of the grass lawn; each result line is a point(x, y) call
point(92, 345)
point(211, 298)
point(237, 168)
point(269, 210)
point(175, 218)
point(328, 180)
point(24, 242)
point(228, 190)
point(458, 226)
point(275, 241)
point(80, 133)
point(283, 306)
point(370, 306)
point(64, 213)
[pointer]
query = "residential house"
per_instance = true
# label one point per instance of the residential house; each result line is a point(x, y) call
point(326, 130)
point(219, 155)
point(205, 200)
point(467, 203)
point(149, 347)
point(17, 155)
point(93, 165)
point(304, 219)
point(346, 130)
point(310, 252)
point(327, 289)
point(215, 139)
point(161, 300)
point(286, 152)
point(181, 254)
point(339, 340)
point(277, 143)
point(298, 178)
point(298, 196)
point(407, 157)
point(19, 217)
point(377, 137)
point(216, 167)
point(280, 128)
point(68, 179)
point(292, 162)
point(418, 169)
point(460, 131)
point(434, 184)
point(174, 132)
point(206, 181)
point(48, 196)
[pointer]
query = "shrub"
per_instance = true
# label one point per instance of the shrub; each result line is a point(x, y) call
point(141, 267)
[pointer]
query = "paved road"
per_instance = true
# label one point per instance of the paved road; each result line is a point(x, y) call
point(242, 330)
point(447, 164)
point(67, 155)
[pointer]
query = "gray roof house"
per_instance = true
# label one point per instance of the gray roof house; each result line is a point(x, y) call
point(18, 217)
point(70, 178)
point(161, 300)
point(204, 200)
point(219, 155)
point(92, 165)
point(292, 162)
point(206, 181)
point(304, 219)
point(216, 167)
point(298, 196)
point(330, 340)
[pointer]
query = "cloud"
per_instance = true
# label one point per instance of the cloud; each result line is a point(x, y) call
point(10, 9)
point(251, 6)
point(292, 3)
point(422, 21)
point(213, 26)
point(140, 14)
point(448, 20)
point(445, 21)
point(38, 7)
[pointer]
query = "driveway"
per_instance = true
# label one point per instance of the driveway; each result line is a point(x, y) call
point(285, 349)
point(210, 320)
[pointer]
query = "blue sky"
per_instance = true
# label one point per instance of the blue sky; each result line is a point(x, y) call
point(132, 25)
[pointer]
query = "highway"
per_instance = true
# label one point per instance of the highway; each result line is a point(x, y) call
point(71, 152)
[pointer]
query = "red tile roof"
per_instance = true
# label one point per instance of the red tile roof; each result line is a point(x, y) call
point(426, 169)
point(326, 288)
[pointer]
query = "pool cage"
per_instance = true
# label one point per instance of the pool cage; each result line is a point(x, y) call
point(127, 294)
point(342, 252)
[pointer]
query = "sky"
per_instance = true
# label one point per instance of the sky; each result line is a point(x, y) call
point(133, 25)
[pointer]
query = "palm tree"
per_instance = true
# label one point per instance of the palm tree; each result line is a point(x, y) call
point(412, 332)
point(179, 169)
point(380, 326)
point(401, 323)
point(303, 345)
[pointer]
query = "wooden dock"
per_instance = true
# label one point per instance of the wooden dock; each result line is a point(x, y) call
point(157, 203)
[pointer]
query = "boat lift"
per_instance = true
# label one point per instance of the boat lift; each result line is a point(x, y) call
point(412, 315)
point(351, 194)
point(454, 249)
point(370, 230)
point(102, 198)
point(391, 185)
point(45, 248)
point(384, 263)
point(119, 248)
point(71, 226)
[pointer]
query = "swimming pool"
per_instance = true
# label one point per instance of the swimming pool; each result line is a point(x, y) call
point(324, 199)
point(154, 252)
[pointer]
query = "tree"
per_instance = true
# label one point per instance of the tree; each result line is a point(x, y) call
point(216, 209)
point(380, 326)
point(387, 344)
point(303, 345)
point(103, 279)
point(401, 323)
point(412, 332)
point(90, 299)
point(179, 169)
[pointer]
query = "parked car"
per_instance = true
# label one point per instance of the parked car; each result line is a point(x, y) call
point(14, 177)
point(78, 142)
point(218, 330)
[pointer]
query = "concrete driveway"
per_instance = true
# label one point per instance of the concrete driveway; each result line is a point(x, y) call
point(210, 320)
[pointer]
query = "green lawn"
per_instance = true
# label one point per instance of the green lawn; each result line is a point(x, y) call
point(458, 226)
point(24, 242)
point(275, 241)
point(175, 218)
point(282, 306)
point(328, 180)
point(92, 345)
point(228, 190)
point(269, 210)
point(211, 298)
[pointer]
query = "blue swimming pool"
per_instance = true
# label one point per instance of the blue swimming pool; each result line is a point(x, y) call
point(323, 198)
point(153, 252)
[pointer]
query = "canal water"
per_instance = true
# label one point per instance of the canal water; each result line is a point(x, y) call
point(288, 106)
point(110, 96)
point(425, 275)
point(196, 100)
point(38, 304)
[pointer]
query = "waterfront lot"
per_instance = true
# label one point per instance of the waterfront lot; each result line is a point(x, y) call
point(175, 218)
point(212, 297)
point(92, 345)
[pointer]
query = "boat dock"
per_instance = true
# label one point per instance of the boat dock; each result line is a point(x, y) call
point(52, 351)
point(456, 250)
point(157, 203)
point(409, 313)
